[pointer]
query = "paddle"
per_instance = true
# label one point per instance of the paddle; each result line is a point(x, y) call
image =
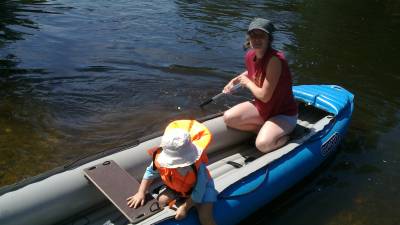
point(234, 88)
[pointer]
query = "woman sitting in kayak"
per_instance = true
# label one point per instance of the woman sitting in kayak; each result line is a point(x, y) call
point(273, 113)
point(181, 161)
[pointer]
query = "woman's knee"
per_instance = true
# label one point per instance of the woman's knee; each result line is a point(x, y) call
point(229, 117)
point(264, 144)
point(268, 144)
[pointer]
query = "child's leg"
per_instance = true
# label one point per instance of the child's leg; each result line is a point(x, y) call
point(205, 212)
point(165, 197)
point(182, 210)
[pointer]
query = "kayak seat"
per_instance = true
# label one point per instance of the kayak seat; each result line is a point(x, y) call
point(117, 185)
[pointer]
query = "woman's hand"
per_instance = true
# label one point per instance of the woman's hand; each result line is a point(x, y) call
point(243, 80)
point(227, 89)
point(136, 200)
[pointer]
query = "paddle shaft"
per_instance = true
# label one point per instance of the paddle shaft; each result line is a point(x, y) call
point(234, 88)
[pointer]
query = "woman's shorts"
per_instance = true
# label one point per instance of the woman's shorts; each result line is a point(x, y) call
point(291, 120)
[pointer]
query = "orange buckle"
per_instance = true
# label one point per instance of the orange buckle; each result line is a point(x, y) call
point(171, 203)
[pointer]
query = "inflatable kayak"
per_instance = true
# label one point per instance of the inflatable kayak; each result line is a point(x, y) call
point(245, 179)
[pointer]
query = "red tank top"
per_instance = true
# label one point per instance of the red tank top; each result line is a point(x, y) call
point(282, 100)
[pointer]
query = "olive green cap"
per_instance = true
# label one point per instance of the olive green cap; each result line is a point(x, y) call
point(261, 24)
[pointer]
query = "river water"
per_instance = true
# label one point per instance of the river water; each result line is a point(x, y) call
point(78, 77)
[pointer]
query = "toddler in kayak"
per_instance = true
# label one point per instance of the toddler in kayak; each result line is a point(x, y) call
point(181, 161)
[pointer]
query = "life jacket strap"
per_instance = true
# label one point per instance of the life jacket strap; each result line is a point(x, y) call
point(154, 157)
point(193, 166)
point(171, 203)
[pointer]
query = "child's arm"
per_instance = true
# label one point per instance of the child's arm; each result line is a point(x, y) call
point(139, 198)
point(201, 184)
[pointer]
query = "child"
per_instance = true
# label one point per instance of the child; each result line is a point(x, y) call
point(180, 161)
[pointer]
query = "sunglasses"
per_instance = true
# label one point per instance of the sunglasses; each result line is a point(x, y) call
point(257, 34)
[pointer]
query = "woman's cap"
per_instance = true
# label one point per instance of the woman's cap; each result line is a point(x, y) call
point(261, 24)
point(177, 149)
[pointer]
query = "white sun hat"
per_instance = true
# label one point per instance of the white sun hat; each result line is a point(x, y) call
point(177, 149)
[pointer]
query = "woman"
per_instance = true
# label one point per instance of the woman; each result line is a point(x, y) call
point(273, 113)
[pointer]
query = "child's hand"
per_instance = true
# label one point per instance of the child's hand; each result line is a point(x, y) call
point(136, 200)
point(181, 212)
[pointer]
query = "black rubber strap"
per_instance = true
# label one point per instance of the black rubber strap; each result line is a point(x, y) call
point(234, 164)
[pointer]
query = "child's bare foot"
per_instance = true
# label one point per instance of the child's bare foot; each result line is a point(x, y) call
point(181, 212)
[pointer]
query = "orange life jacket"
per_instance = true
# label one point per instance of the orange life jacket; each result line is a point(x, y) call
point(184, 183)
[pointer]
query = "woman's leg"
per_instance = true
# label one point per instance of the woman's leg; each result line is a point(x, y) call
point(274, 133)
point(205, 212)
point(243, 116)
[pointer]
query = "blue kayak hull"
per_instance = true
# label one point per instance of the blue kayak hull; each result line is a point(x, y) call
point(253, 192)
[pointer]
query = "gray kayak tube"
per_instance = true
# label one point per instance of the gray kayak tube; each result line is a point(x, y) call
point(58, 197)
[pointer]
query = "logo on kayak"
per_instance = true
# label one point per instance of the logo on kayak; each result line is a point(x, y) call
point(331, 144)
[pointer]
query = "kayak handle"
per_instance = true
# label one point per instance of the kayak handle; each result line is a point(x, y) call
point(252, 186)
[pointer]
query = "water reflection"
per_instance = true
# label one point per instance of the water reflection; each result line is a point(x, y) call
point(10, 17)
point(25, 141)
point(357, 56)
point(226, 22)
